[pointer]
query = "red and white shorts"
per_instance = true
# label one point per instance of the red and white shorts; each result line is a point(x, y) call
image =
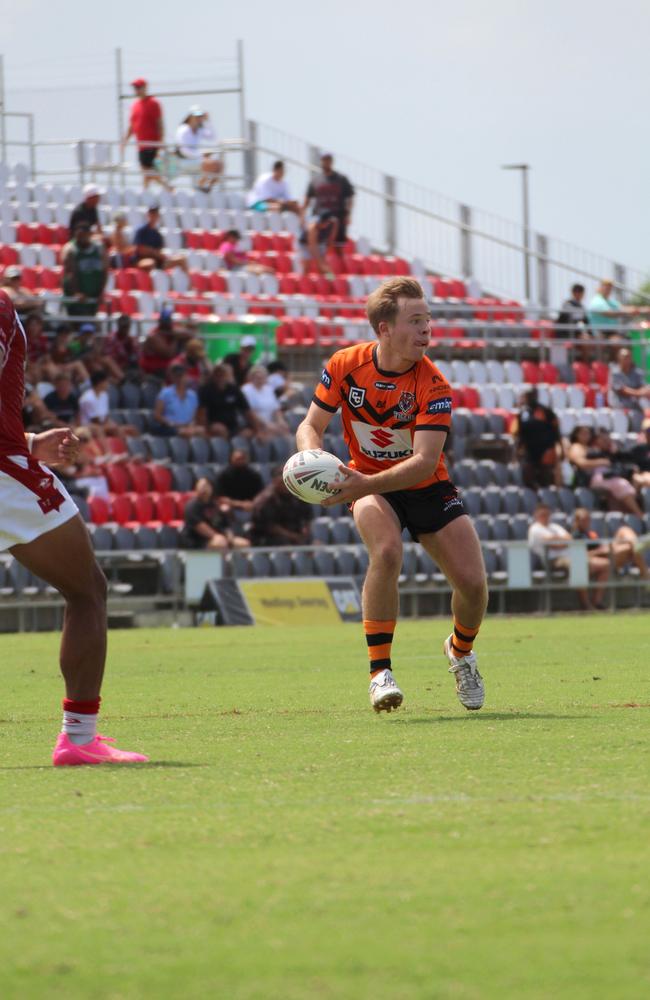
point(21, 518)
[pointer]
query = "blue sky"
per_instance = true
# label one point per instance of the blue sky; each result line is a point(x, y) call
point(437, 93)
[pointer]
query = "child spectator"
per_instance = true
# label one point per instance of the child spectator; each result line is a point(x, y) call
point(235, 258)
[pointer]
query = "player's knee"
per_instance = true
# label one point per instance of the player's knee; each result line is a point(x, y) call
point(388, 557)
point(474, 589)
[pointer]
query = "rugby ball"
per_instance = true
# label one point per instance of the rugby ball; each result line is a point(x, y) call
point(312, 475)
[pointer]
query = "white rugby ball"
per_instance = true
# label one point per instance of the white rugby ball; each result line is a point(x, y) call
point(312, 475)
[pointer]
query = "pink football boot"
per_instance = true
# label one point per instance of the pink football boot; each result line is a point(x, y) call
point(97, 751)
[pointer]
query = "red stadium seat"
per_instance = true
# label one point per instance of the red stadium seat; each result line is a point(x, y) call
point(9, 255)
point(471, 397)
point(161, 477)
point(600, 373)
point(218, 283)
point(548, 372)
point(581, 372)
point(118, 478)
point(144, 509)
point(116, 445)
point(530, 372)
point(140, 476)
point(165, 504)
point(289, 284)
point(99, 510)
point(125, 280)
point(121, 508)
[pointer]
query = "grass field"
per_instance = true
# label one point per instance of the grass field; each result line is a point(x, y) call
point(288, 843)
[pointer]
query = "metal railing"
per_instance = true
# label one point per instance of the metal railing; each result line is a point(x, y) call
point(396, 215)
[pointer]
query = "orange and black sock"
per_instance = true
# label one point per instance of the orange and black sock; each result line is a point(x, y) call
point(462, 639)
point(379, 636)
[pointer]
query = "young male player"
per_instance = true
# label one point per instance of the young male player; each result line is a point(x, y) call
point(42, 528)
point(396, 408)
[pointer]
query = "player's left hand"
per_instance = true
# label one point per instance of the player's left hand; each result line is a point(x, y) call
point(56, 447)
point(356, 485)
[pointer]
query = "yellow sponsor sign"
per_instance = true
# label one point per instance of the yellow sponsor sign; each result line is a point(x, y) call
point(289, 602)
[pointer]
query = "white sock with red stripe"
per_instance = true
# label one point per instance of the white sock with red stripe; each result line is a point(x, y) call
point(80, 720)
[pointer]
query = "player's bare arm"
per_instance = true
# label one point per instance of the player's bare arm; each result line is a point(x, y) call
point(311, 431)
point(56, 447)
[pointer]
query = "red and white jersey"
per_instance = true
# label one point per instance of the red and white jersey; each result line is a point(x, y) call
point(13, 349)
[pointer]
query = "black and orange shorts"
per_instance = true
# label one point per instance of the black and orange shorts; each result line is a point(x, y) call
point(426, 510)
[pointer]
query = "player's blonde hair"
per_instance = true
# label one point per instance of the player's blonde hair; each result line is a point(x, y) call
point(383, 304)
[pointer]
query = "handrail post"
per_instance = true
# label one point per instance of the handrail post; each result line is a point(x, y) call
point(390, 215)
point(465, 240)
point(620, 276)
point(542, 270)
point(250, 153)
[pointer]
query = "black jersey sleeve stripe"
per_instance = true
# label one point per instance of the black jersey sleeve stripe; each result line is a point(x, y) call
point(324, 406)
point(431, 427)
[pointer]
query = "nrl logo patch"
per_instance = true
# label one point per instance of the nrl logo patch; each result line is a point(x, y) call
point(356, 397)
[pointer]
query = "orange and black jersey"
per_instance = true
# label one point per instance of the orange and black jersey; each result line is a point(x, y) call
point(381, 410)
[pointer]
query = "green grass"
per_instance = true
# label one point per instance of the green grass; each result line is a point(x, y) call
point(288, 843)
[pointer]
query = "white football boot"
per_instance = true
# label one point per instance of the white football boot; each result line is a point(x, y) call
point(384, 692)
point(469, 683)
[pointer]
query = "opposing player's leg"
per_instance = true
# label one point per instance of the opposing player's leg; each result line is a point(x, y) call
point(457, 551)
point(64, 558)
point(381, 532)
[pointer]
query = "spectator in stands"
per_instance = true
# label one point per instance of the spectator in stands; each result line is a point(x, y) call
point(85, 270)
point(85, 213)
point(86, 348)
point(193, 359)
point(94, 408)
point(146, 124)
point(278, 378)
point(279, 518)
point(573, 322)
point(195, 147)
point(625, 549)
point(270, 193)
point(162, 345)
point(37, 341)
point(235, 258)
point(594, 464)
point(176, 406)
point(24, 301)
point(207, 522)
point(547, 540)
point(264, 403)
point(241, 361)
point(238, 482)
point(331, 194)
point(120, 244)
point(639, 457)
point(60, 360)
point(538, 443)
point(627, 383)
point(223, 408)
point(149, 243)
point(63, 401)
point(607, 313)
point(122, 348)
point(315, 241)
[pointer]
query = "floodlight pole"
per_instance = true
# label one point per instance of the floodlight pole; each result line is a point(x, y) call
point(524, 169)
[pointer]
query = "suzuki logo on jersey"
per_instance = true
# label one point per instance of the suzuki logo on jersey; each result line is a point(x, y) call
point(440, 405)
point(384, 444)
point(356, 396)
point(381, 437)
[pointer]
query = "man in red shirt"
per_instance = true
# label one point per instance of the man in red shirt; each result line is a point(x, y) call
point(396, 411)
point(42, 528)
point(146, 124)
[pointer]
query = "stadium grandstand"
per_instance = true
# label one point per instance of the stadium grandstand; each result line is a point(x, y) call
point(490, 342)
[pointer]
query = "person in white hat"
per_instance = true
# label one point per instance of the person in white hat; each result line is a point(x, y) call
point(23, 300)
point(195, 142)
point(86, 211)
